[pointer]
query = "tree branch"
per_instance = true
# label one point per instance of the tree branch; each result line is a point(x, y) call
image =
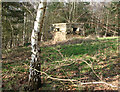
point(73, 80)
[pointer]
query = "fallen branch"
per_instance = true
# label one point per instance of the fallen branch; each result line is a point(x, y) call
point(90, 65)
point(100, 82)
point(73, 80)
point(58, 78)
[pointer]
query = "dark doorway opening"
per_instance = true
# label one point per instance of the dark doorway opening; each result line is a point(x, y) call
point(57, 29)
point(74, 30)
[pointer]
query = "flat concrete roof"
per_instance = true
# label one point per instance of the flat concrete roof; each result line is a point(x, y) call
point(65, 23)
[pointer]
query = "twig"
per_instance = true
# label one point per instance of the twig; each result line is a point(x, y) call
point(28, 10)
point(90, 65)
point(57, 78)
point(64, 65)
point(86, 63)
point(57, 67)
point(59, 52)
point(61, 65)
point(49, 58)
point(92, 69)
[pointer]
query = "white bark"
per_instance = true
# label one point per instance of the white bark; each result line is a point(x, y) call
point(42, 22)
point(34, 76)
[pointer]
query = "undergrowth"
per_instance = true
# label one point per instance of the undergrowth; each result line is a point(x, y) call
point(64, 62)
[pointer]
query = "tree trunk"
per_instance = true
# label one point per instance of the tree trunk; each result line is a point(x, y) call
point(0, 36)
point(24, 29)
point(41, 25)
point(106, 25)
point(0, 51)
point(35, 76)
point(11, 40)
point(12, 37)
point(42, 37)
point(70, 13)
point(97, 27)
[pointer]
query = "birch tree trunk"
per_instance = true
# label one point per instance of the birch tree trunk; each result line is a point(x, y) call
point(41, 24)
point(35, 76)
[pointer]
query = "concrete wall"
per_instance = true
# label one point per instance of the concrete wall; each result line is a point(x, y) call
point(59, 32)
point(59, 36)
point(61, 26)
point(61, 29)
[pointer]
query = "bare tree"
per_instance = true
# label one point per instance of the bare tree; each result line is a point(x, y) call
point(34, 76)
point(0, 49)
point(0, 35)
point(24, 28)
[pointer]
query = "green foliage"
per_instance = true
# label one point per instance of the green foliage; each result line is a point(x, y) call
point(89, 47)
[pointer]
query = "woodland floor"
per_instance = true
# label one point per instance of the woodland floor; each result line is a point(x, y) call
point(65, 61)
